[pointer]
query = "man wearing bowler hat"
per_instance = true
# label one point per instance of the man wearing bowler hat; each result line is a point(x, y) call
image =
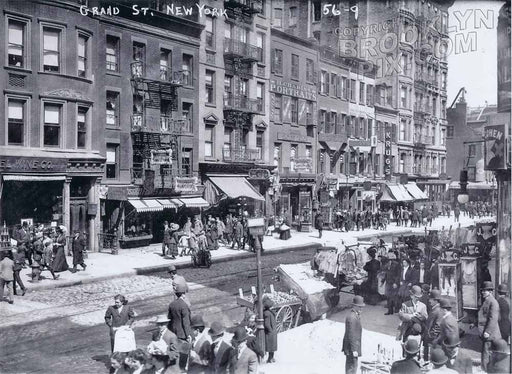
point(179, 323)
point(243, 360)
point(352, 338)
point(503, 302)
point(432, 326)
point(488, 317)
point(201, 345)
point(500, 357)
point(178, 280)
point(410, 364)
point(220, 351)
point(439, 360)
point(457, 360)
point(413, 312)
point(448, 325)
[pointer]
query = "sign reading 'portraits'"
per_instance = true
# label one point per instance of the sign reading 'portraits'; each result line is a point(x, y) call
point(293, 89)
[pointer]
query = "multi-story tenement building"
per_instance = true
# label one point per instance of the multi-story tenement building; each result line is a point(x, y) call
point(51, 144)
point(293, 130)
point(234, 106)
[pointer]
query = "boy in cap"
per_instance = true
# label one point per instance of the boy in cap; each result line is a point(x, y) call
point(353, 334)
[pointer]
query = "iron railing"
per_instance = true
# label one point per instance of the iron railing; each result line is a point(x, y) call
point(241, 154)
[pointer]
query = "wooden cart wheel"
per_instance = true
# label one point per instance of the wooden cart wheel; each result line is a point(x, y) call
point(284, 318)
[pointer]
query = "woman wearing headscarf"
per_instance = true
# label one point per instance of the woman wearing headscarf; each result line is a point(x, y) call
point(118, 315)
point(59, 255)
point(269, 322)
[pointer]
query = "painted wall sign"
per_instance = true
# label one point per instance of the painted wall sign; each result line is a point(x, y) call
point(293, 89)
point(32, 164)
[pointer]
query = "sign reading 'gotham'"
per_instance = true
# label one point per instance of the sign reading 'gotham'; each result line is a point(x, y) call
point(293, 89)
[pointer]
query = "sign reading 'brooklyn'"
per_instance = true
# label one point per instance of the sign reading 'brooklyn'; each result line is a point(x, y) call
point(292, 89)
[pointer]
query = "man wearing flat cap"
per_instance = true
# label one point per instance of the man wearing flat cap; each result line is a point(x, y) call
point(243, 360)
point(410, 364)
point(488, 317)
point(353, 334)
point(201, 346)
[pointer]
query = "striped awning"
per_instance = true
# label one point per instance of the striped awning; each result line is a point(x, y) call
point(170, 203)
point(415, 191)
point(148, 205)
point(194, 202)
point(34, 178)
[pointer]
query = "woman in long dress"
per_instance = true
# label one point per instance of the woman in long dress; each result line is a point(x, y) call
point(59, 262)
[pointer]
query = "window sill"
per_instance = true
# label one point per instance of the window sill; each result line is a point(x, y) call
point(294, 79)
point(210, 49)
point(113, 73)
point(261, 64)
point(211, 105)
point(278, 74)
point(111, 127)
point(86, 80)
point(19, 70)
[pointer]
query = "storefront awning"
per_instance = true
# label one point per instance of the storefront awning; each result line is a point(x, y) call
point(170, 203)
point(34, 178)
point(415, 191)
point(194, 202)
point(148, 205)
point(235, 187)
point(397, 193)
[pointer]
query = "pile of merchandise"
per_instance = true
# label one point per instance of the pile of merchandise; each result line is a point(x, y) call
point(282, 298)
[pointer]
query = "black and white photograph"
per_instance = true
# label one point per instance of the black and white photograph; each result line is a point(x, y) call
point(255, 186)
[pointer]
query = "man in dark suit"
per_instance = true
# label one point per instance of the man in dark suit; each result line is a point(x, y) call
point(488, 317)
point(220, 351)
point(243, 360)
point(201, 347)
point(504, 320)
point(392, 278)
point(432, 326)
point(422, 275)
point(406, 280)
point(457, 360)
point(448, 325)
point(500, 358)
point(352, 338)
point(179, 316)
point(23, 238)
point(409, 365)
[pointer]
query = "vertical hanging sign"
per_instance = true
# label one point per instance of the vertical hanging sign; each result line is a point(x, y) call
point(387, 152)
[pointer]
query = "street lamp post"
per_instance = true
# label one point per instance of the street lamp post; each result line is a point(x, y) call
point(260, 329)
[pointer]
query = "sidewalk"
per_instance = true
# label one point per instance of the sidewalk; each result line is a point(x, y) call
point(146, 260)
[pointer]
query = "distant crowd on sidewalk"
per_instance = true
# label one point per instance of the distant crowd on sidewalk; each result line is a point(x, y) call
point(181, 342)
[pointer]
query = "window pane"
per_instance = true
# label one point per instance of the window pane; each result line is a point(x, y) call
point(82, 40)
point(51, 114)
point(51, 40)
point(51, 135)
point(15, 109)
point(209, 24)
point(16, 32)
point(15, 133)
point(111, 155)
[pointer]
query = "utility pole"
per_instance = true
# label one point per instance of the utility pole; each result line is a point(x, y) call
point(260, 329)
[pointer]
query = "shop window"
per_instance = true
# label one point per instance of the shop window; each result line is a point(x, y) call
point(186, 112)
point(112, 161)
point(112, 113)
point(165, 65)
point(295, 67)
point(81, 131)
point(208, 140)
point(259, 144)
point(112, 53)
point(52, 125)
point(277, 61)
point(210, 32)
point(293, 16)
point(16, 122)
point(209, 86)
point(52, 49)
point(187, 69)
point(16, 51)
point(82, 55)
point(294, 110)
point(278, 104)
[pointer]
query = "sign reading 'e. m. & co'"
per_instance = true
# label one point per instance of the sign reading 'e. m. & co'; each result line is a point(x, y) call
point(387, 153)
point(9, 164)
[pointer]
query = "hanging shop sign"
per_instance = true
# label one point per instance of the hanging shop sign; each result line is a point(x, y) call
point(387, 152)
point(259, 174)
point(117, 193)
point(185, 184)
point(32, 164)
point(332, 184)
point(303, 165)
point(495, 147)
point(161, 157)
point(293, 89)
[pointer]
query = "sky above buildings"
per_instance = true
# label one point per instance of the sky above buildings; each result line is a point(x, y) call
point(472, 60)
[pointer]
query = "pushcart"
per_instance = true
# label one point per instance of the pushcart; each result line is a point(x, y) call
point(201, 258)
point(287, 313)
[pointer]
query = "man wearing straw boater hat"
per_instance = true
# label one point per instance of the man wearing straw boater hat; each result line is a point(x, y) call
point(352, 338)
point(488, 317)
point(6, 273)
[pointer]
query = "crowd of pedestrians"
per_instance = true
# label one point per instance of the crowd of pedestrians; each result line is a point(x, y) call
point(181, 342)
